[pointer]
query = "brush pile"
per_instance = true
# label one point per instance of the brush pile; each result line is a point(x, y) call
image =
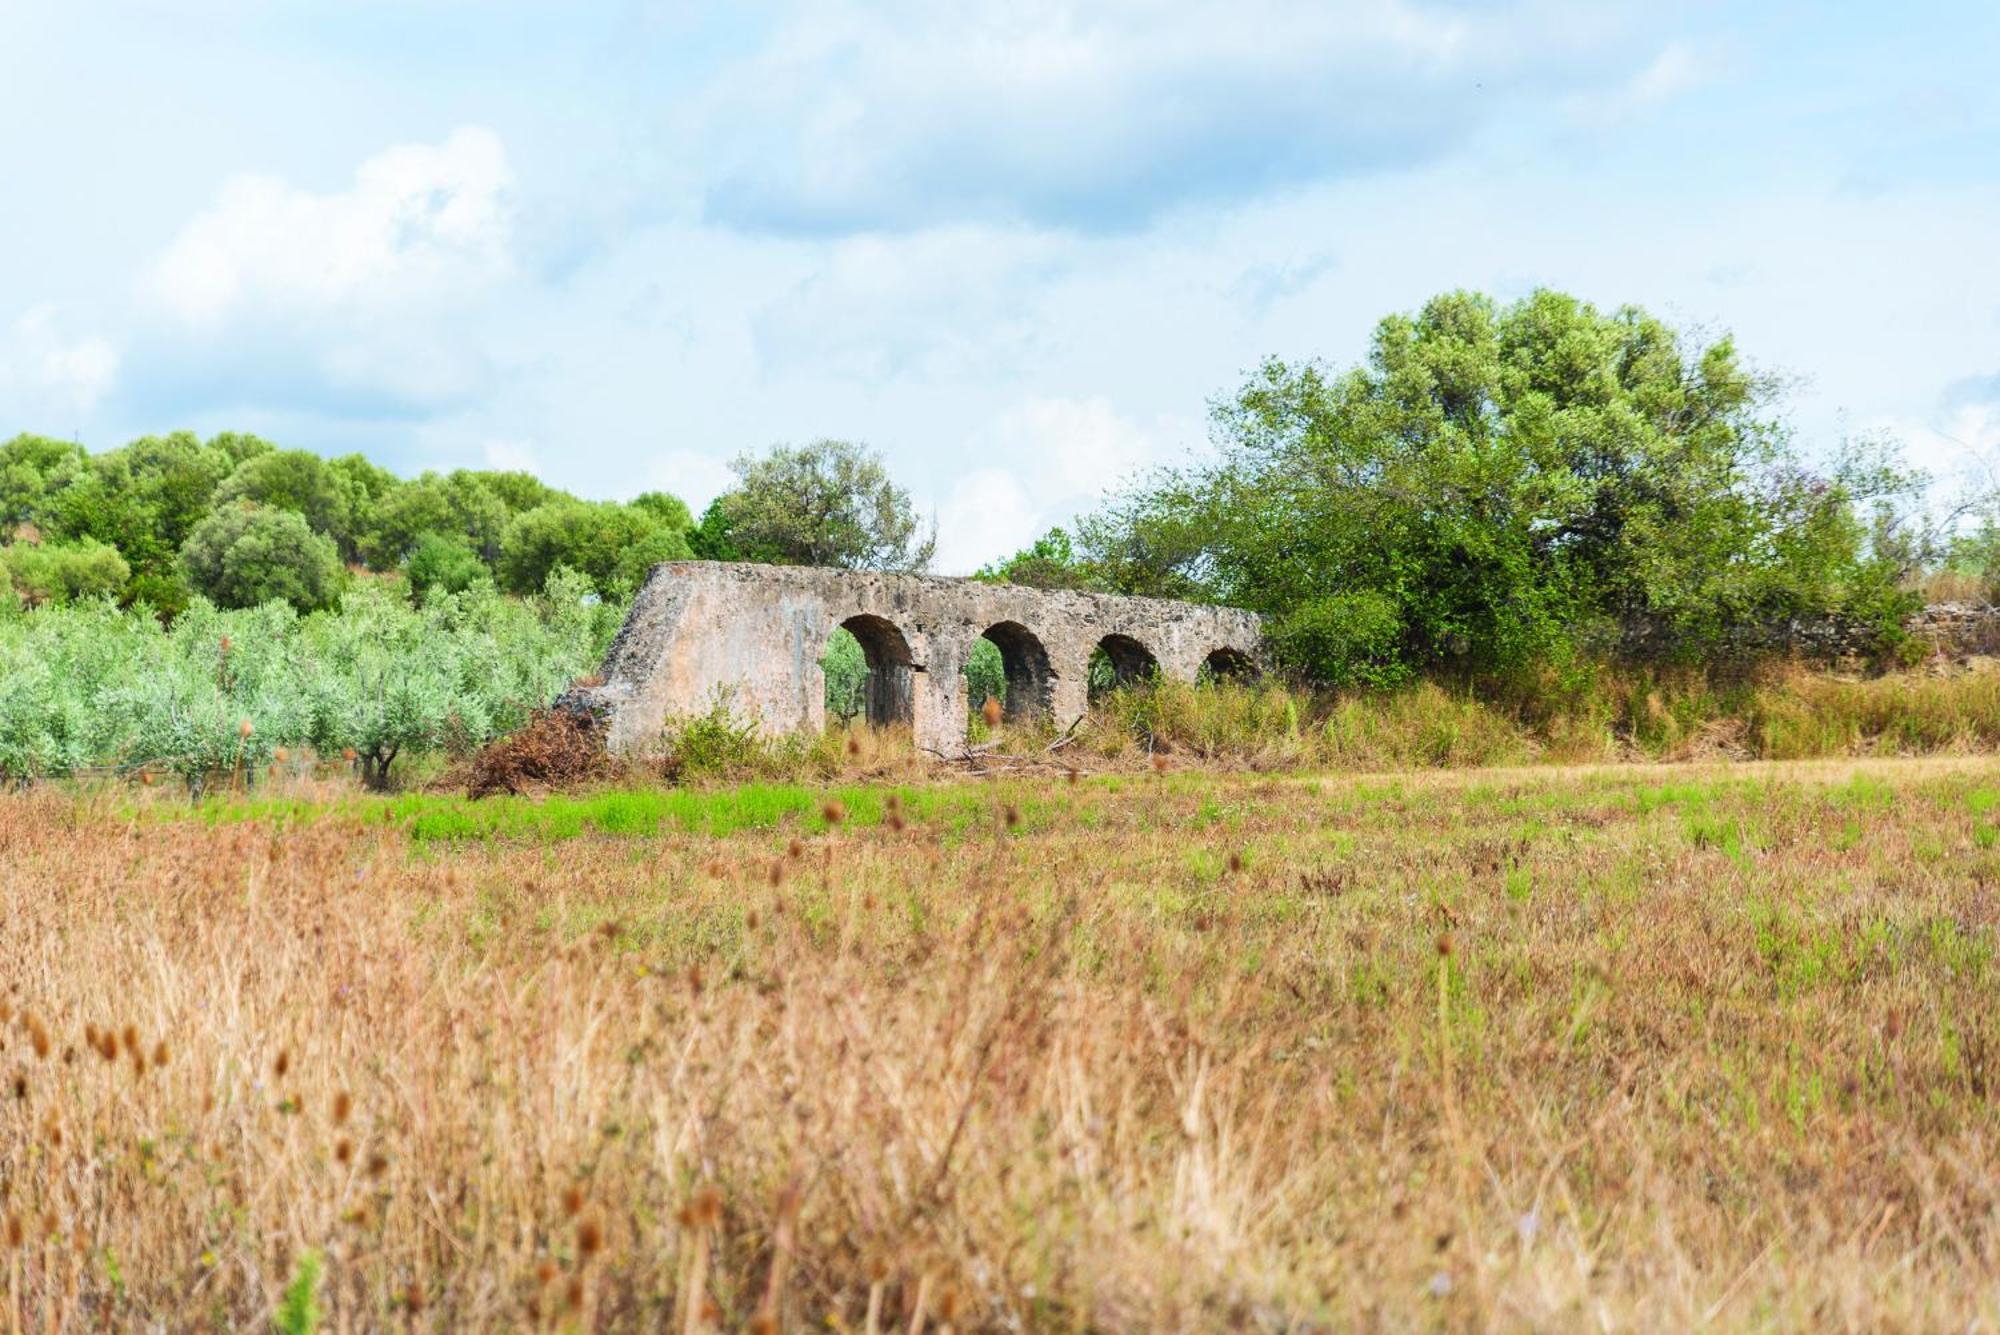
point(558, 748)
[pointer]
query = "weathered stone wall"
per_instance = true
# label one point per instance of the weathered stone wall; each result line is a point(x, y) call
point(751, 638)
point(1945, 630)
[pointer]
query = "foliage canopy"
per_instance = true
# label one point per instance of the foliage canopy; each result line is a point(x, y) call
point(1500, 486)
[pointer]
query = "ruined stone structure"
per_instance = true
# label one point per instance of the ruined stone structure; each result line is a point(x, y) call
point(751, 638)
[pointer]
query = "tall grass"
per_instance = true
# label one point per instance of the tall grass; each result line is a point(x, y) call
point(1595, 716)
point(1172, 1052)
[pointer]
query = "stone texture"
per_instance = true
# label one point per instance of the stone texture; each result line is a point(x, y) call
point(751, 637)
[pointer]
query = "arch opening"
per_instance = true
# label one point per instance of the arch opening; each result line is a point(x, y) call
point(1009, 664)
point(1228, 664)
point(874, 677)
point(1120, 660)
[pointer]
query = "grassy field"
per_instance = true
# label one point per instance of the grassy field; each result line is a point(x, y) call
point(1611, 1047)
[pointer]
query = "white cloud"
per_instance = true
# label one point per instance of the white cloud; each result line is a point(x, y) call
point(421, 221)
point(930, 302)
point(510, 456)
point(1676, 69)
point(1103, 114)
point(987, 515)
point(1960, 447)
point(52, 377)
point(1060, 455)
point(695, 477)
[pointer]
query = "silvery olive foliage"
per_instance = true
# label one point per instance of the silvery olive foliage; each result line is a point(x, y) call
point(87, 687)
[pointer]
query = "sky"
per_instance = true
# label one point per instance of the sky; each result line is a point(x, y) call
point(1018, 247)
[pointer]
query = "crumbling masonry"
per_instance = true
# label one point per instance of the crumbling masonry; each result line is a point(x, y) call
point(751, 637)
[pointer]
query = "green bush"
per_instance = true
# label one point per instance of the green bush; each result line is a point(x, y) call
point(443, 563)
point(246, 554)
point(87, 686)
point(614, 545)
point(64, 572)
point(1502, 488)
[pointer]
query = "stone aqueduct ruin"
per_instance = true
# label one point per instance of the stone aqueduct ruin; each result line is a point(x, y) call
point(751, 638)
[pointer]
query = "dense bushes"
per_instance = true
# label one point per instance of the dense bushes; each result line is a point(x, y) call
point(238, 521)
point(1501, 489)
point(245, 554)
point(63, 572)
point(88, 686)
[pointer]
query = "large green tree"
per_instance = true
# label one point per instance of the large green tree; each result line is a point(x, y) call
point(613, 545)
point(299, 481)
point(460, 504)
point(33, 470)
point(1499, 486)
point(244, 555)
point(830, 503)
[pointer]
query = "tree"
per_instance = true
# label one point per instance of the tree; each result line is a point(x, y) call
point(295, 480)
point(519, 492)
point(442, 563)
point(32, 470)
point(830, 503)
point(144, 499)
point(460, 503)
point(1049, 562)
point(1499, 487)
point(63, 572)
point(669, 509)
point(614, 545)
point(245, 554)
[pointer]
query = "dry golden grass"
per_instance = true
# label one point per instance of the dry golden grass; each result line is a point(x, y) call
point(1615, 1048)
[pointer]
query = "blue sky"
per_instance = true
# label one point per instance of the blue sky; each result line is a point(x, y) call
point(1015, 246)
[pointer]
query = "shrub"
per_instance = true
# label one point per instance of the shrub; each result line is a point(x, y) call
point(60, 572)
point(443, 563)
point(614, 545)
point(246, 554)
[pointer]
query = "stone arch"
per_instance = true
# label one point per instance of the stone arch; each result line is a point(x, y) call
point(1229, 664)
point(1030, 678)
point(1130, 663)
point(890, 691)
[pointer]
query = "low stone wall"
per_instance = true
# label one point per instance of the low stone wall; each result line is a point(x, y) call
point(1949, 631)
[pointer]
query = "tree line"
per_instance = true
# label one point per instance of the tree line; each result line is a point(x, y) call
point(240, 522)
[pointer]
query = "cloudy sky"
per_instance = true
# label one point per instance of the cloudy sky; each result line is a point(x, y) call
point(1017, 246)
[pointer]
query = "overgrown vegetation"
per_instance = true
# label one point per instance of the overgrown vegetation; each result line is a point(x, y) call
point(1167, 1052)
point(1506, 489)
point(229, 693)
point(238, 521)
